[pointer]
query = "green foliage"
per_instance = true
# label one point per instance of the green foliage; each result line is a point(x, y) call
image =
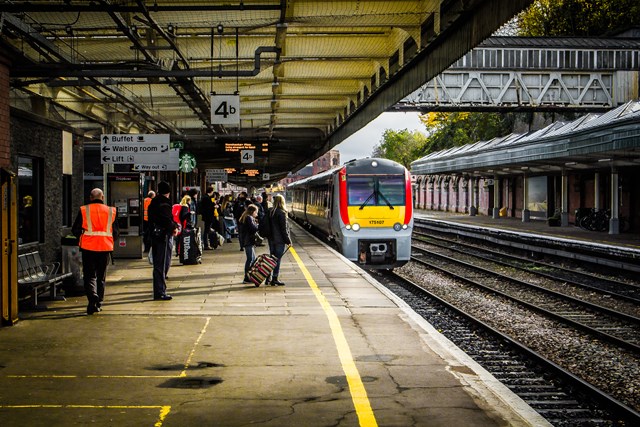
point(448, 130)
point(579, 17)
point(401, 146)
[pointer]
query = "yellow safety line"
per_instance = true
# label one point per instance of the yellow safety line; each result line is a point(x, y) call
point(164, 410)
point(356, 387)
point(90, 376)
point(193, 349)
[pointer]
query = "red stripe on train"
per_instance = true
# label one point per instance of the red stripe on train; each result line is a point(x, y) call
point(342, 182)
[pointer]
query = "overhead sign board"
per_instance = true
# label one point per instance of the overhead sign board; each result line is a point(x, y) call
point(216, 175)
point(160, 167)
point(159, 138)
point(139, 149)
point(225, 109)
point(247, 156)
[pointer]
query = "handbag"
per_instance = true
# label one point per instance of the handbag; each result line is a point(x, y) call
point(257, 239)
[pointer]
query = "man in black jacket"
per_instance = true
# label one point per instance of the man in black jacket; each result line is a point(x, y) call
point(207, 210)
point(163, 228)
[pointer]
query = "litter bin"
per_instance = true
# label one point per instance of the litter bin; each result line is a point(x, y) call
point(72, 262)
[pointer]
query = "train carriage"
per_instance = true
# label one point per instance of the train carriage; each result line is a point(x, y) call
point(365, 206)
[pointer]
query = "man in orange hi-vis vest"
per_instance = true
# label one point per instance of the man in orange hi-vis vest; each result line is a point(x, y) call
point(97, 228)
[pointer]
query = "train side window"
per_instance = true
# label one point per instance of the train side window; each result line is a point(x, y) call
point(30, 195)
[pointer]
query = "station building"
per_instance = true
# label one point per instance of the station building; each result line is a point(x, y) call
point(549, 174)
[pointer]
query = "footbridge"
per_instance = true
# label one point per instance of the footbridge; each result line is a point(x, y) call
point(533, 74)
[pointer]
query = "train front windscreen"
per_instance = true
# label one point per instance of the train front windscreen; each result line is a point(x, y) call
point(376, 190)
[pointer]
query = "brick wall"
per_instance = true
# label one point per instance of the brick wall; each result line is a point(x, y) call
point(40, 138)
point(5, 137)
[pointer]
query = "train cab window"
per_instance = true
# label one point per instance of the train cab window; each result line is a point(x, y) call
point(376, 190)
point(392, 188)
point(30, 186)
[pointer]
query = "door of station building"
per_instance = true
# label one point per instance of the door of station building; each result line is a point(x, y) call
point(9, 254)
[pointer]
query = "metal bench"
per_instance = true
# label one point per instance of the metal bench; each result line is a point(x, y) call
point(35, 277)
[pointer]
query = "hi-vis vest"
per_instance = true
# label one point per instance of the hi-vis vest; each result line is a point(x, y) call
point(146, 202)
point(97, 223)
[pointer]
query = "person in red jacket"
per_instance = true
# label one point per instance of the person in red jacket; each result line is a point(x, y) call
point(96, 228)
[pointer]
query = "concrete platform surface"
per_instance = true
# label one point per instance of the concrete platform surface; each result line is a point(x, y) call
point(331, 348)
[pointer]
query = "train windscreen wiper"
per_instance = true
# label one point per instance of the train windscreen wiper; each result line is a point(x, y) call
point(385, 199)
point(367, 201)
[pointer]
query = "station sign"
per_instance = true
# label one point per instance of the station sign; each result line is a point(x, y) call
point(247, 156)
point(225, 109)
point(216, 175)
point(138, 149)
point(153, 168)
point(235, 147)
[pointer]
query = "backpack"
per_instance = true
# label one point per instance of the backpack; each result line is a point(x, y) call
point(264, 227)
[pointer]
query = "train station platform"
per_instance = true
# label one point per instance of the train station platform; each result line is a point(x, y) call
point(621, 251)
point(331, 348)
point(538, 227)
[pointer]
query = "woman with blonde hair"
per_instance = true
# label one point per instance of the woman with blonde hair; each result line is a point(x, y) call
point(280, 238)
point(248, 227)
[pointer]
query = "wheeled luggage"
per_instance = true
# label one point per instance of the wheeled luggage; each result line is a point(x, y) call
point(262, 268)
point(190, 246)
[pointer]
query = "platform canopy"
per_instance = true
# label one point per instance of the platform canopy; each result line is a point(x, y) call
point(305, 74)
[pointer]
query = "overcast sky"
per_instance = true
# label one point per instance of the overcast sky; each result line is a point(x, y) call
point(361, 143)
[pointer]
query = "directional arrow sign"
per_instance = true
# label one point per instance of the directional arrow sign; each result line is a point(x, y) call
point(137, 148)
point(163, 167)
point(161, 138)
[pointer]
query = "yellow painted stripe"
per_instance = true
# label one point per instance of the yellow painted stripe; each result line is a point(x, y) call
point(91, 376)
point(193, 349)
point(164, 410)
point(356, 387)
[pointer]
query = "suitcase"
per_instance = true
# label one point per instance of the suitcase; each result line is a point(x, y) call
point(190, 246)
point(262, 268)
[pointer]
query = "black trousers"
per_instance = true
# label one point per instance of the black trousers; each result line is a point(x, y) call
point(161, 248)
point(209, 238)
point(94, 271)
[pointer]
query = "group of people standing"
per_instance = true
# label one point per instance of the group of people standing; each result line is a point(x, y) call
point(96, 227)
point(276, 232)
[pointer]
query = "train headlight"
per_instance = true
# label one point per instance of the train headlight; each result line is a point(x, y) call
point(355, 227)
point(397, 226)
point(405, 226)
point(348, 226)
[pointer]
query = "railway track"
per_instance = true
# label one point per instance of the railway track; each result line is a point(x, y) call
point(616, 327)
point(571, 275)
point(557, 394)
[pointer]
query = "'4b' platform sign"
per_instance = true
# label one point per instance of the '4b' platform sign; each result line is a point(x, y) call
point(225, 109)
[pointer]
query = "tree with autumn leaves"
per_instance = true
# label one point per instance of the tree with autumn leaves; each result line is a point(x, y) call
point(544, 18)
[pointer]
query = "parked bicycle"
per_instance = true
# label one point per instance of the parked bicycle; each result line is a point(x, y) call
point(594, 220)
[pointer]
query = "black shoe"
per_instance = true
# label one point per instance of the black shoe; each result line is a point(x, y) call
point(165, 297)
point(276, 282)
point(228, 240)
point(207, 248)
point(92, 308)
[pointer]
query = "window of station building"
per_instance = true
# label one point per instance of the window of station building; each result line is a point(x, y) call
point(67, 200)
point(30, 195)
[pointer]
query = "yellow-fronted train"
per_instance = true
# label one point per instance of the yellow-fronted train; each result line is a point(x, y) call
point(364, 206)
